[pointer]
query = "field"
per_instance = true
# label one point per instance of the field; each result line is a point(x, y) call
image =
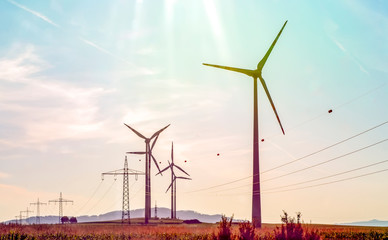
point(95, 231)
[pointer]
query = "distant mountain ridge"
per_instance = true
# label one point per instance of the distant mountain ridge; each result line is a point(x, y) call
point(137, 213)
point(166, 213)
point(371, 223)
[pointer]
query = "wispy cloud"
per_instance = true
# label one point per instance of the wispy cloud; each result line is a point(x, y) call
point(70, 111)
point(343, 49)
point(39, 15)
point(88, 42)
point(103, 50)
point(339, 45)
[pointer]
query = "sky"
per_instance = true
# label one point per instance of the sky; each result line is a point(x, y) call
point(72, 72)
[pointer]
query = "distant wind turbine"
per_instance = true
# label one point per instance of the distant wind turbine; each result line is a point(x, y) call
point(148, 153)
point(257, 73)
point(173, 181)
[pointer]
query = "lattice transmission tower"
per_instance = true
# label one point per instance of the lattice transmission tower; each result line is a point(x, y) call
point(125, 215)
point(21, 215)
point(38, 203)
point(61, 200)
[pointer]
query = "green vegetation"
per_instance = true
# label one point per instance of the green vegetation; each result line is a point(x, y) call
point(291, 228)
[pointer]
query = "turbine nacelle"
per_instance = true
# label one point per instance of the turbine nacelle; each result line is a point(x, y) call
point(147, 141)
point(257, 73)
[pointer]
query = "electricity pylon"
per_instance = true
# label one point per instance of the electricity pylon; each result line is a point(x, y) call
point(16, 220)
point(125, 216)
point(61, 200)
point(38, 203)
point(255, 74)
point(21, 216)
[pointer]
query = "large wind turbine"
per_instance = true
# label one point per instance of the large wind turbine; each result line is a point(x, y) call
point(173, 181)
point(257, 73)
point(148, 153)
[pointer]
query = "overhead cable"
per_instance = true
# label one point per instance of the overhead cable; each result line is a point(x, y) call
point(325, 148)
point(324, 162)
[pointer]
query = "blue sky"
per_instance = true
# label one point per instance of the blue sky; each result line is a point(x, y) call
point(71, 73)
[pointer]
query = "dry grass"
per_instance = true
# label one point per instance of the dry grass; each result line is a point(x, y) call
point(172, 231)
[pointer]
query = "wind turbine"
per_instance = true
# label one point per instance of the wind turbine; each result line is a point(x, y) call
point(173, 181)
point(255, 74)
point(148, 153)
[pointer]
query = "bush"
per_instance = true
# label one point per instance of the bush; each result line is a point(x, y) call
point(246, 230)
point(224, 228)
point(65, 219)
point(73, 220)
point(292, 229)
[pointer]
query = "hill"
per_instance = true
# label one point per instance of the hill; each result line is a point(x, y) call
point(371, 223)
point(137, 213)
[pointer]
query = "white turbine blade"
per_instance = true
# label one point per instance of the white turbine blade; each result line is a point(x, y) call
point(136, 132)
point(270, 100)
point(264, 60)
point(170, 186)
point(156, 163)
point(184, 178)
point(137, 153)
point(164, 169)
point(153, 143)
point(172, 152)
point(158, 132)
point(240, 70)
point(181, 169)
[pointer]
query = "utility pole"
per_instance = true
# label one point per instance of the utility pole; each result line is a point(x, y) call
point(16, 219)
point(61, 200)
point(38, 203)
point(125, 215)
point(21, 217)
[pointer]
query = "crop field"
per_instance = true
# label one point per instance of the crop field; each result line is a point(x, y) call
point(187, 231)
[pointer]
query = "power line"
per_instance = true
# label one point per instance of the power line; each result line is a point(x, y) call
point(241, 179)
point(330, 160)
point(94, 192)
point(110, 187)
point(362, 95)
point(333, 175)
point(220, 185)
point(336, 107)
point(313, 180)
point(340, 180)
point(311, 186)
point(325, 148)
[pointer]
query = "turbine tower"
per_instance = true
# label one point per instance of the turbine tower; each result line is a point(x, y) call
point(148, 153)
point(173, 181)
point(125, 214)
point(255, 74)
